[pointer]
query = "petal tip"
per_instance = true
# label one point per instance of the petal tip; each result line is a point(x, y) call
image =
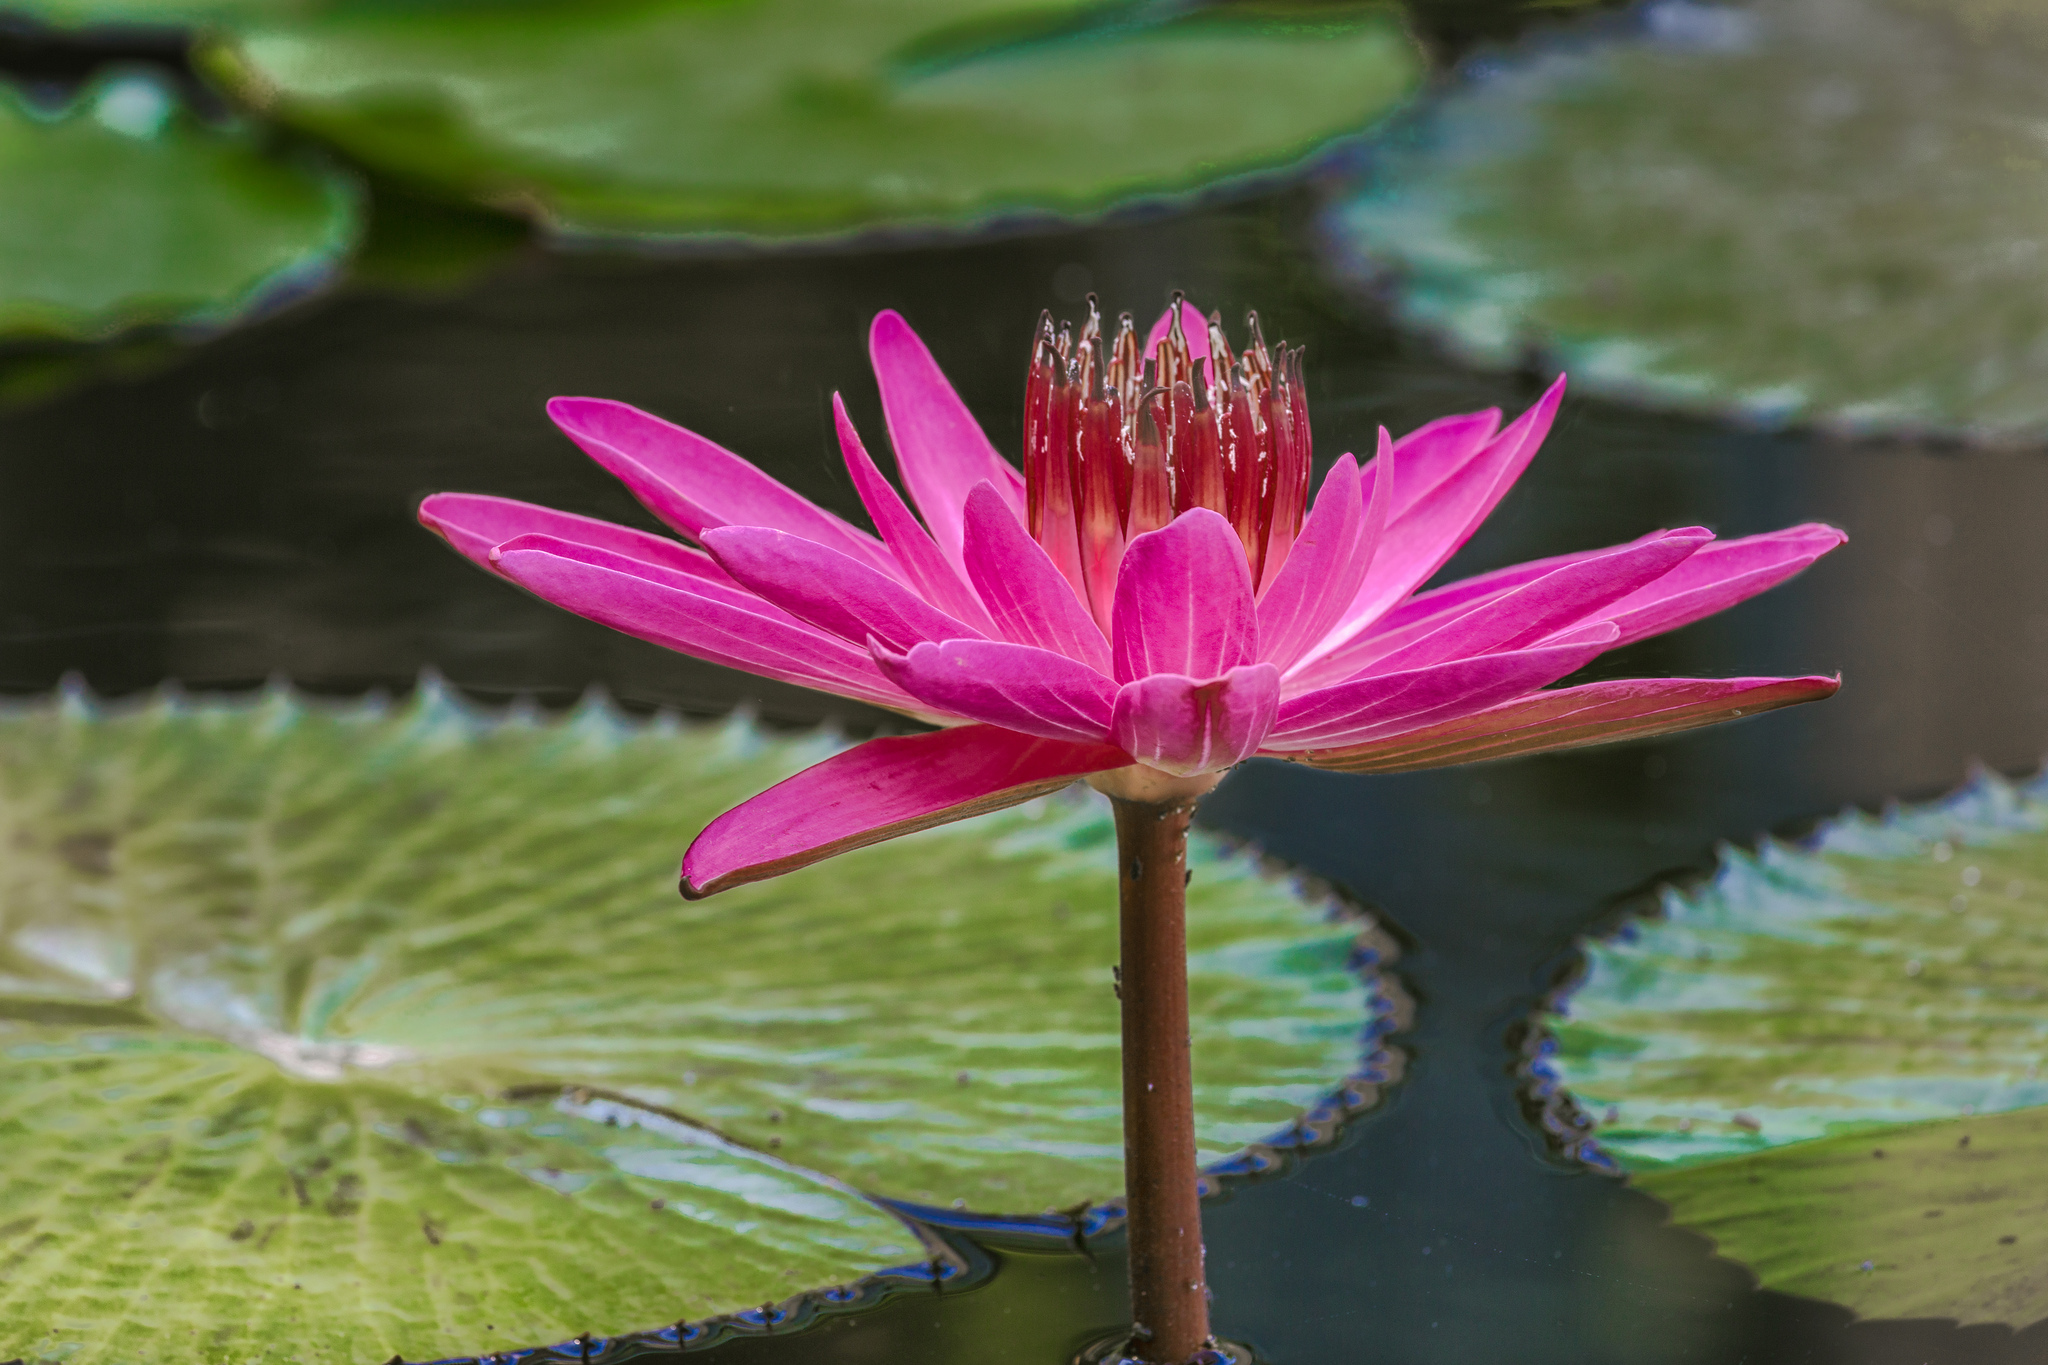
point(888, 325)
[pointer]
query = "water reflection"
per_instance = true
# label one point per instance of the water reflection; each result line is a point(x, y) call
point(248, 512)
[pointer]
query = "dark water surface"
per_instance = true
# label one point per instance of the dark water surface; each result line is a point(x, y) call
point(246, 511)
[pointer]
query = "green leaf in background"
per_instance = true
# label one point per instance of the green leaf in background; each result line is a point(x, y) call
point(386, 1032)
point(122, 210)
point(1830, 1058)
point(153, 13)
point(805, 117)
point(1821, 211)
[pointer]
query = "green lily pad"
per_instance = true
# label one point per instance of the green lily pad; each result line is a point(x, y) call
point(385, 1031)
point(123, 210)
point(152, 13)
point(1814, 211)
point(1930, 1220)
point(805, 117)
point(1793, 1054)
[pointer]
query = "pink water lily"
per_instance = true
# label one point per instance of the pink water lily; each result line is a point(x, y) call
point(1153, 599)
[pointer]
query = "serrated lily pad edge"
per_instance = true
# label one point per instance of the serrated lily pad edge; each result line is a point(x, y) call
point(950, 1235)
point(1985, 801)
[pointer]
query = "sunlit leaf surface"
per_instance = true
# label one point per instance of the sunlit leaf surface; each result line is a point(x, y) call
point(816, 116)
point(1794, 210)
point(386, 1031)
point(122, 210)
point(1833, 1055)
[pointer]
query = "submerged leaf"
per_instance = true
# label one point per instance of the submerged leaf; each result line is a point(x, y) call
point(799, 117)
point(123, 211)
point(1786, 1053)
point(388, 1032)
point(1796, 210)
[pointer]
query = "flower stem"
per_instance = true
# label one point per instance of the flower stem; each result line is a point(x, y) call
point(1169, 1293)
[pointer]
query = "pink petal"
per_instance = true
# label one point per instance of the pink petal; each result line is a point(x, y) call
point(1429, 611)
point(1184, 601)
point(828, 589)
point(1193, 326)
point(694, 484)
point(1445, 488)
point(1352, 712)
point(1574, 717)
point(1184, 725)
point(1030, 599)
point(941, 451)
point(1716, 577)
point(475, 525)
point(706, 620)
point(923, 566)
point(1328, 562)
point(877, 791)
point(1032, 691)
point(1557, 601)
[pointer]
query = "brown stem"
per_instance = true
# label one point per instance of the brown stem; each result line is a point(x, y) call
point(1169, 1293)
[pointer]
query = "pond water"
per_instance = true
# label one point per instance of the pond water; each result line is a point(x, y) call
point(244, 510)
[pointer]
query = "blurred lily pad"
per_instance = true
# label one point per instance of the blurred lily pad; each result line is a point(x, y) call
point(122, 210)
point(804, 117)
point(384, 1031)
point(1823, 211)
point(151, 13)
point(1830, 1058)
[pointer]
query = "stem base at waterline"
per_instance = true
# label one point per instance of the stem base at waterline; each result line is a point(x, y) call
point(1119, 1349)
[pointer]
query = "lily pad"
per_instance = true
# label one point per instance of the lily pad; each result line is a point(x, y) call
point(122, 210)
point(805, 117)
point(1831, 1057)
point(1813, 211)
point(152, 13)
point(384, 1031)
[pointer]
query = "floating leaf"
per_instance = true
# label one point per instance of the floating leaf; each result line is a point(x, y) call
point(153, 13)
point(388, 1033)
point(1792, 1055)
point(1940, 1219)
point(122, 210)
point(1800, 210)
point(807, 117)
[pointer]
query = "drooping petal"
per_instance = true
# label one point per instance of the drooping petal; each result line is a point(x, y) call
point(941, 451)
point(1327, 563)
point(693, 616)
point(1353, 712)
point(1185, 725)
point(1031, 601)
point(877, 791)
point(1033, 691)
point(1572, 718)
point(1456, 486)
point(1184, 601)
point(1556, 601)
point(923, 565)
point(694, 484)
point(828, 589)
point(476, 524)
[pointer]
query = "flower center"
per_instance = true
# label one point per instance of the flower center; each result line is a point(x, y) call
point(1117, 444)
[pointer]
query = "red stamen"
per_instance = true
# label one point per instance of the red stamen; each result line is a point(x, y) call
point(1112, 451)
